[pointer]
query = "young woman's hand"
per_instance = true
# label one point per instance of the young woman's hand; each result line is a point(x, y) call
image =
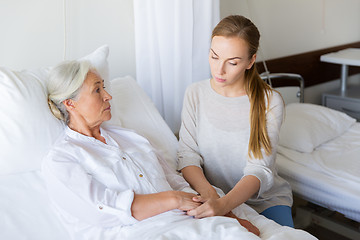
point(185, 201)
point(203, 197)
point(210, 207)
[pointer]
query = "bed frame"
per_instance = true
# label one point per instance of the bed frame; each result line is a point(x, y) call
point(306, 212)
point(290, 94)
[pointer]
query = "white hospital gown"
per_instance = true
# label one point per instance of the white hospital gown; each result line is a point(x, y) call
point(92, 186)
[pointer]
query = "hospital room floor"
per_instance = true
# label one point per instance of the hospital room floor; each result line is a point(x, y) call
point(320, 232)
point(324, 234)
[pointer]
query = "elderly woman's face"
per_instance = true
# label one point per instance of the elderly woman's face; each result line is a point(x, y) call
point(93, 102)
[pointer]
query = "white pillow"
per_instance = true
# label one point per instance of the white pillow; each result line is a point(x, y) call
point(307, 126)
point(132, 108)
point(98, 59)
point(27, 127)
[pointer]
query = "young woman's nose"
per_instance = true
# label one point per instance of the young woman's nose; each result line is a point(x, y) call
point(220, 68)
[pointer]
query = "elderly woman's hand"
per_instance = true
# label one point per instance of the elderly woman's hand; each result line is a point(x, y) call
point(185, 201)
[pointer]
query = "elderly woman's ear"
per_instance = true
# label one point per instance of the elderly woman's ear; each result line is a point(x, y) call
point(69, 104)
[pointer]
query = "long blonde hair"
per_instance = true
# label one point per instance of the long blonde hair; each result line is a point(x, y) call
point(255, 87)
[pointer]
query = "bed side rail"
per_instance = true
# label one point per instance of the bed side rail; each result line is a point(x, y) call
point(269, 77)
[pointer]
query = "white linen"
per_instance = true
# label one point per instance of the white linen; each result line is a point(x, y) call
point(339, 158)
point(320, 188)
point(172, 42)
point(306, 126)
point(27, 127)
point(27, 207)
point(25, 210)
point(329, 176)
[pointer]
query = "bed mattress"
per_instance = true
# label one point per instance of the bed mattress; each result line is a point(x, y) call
point(329, 176)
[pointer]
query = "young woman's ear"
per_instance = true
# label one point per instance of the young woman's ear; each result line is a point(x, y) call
point(252, 61)
point(69, 104)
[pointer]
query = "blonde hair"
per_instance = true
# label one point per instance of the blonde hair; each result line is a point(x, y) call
point(255, 87)
point(64, 83)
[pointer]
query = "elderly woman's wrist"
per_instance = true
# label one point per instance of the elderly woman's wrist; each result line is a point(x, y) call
point(174, 199)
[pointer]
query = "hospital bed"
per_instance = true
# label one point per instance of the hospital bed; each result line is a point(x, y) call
point(319, 155)
point(28, 129)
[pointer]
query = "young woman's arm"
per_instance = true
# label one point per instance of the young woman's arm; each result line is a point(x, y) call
point(242, 191)
point(197, 180)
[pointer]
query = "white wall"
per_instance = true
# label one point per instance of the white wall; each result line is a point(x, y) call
point(290, 27)
point(32, 32)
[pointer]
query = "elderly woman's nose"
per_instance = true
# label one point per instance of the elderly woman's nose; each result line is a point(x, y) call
point(107, 96)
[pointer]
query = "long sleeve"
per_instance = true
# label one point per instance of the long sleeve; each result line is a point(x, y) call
point(188, 153)
point(263, 168)
point(176, 181)
point(79, 193)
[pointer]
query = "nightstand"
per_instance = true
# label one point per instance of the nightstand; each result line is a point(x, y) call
point(347, 102)
point(343, 99)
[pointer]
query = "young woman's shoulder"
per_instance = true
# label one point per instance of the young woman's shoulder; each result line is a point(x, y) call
point(197, 87)
point(275, 99)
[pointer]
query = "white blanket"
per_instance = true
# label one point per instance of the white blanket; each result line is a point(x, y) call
point(26, 214)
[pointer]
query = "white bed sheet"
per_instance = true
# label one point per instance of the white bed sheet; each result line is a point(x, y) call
point(26, 213)
point(329, 176)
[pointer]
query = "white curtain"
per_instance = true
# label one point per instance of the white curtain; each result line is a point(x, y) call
point(172, 40)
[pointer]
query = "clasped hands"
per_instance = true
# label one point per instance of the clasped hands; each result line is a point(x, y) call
point(212, 205)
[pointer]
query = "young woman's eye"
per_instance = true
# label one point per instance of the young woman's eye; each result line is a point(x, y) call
point(233, 63)
point(98, 90)
point(214, 57)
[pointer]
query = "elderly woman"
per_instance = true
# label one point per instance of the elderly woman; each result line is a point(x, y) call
point(103, 179)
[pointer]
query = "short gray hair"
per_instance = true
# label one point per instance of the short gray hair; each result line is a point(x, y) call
point(64, 83)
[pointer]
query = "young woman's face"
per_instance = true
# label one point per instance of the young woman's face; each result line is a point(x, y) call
point(93, 102)
point(229, 58)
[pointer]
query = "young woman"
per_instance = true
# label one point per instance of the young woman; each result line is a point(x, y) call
point(230, 130)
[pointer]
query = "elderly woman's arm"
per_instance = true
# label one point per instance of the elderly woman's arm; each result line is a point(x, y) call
point(79, 193)
point(148, 205)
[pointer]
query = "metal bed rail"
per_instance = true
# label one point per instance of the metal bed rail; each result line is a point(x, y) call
point(266, 76)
